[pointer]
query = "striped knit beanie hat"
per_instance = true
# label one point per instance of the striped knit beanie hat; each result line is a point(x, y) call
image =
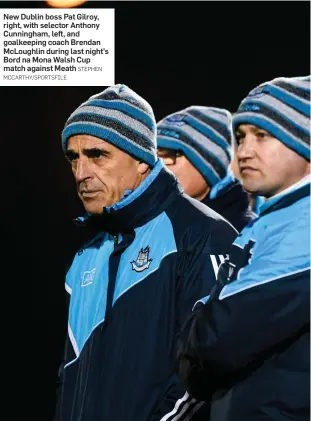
point(282, 107)
point(119, 116)
point(204, 135)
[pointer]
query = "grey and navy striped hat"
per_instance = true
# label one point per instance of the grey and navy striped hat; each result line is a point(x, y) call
point(119, 116)
point(282, 107)
point(204, 135)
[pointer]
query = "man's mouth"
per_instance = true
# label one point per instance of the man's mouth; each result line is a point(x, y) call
point(247, 170)
point(88, 193)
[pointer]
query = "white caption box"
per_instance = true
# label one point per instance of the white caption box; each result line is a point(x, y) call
point(57, 47)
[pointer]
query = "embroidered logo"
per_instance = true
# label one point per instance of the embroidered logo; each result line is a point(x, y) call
point(166, 132)
point(88, 277)
point(239, 258)
point(257, 92)
point(176, 119)
point(250, 107)
point(231, 270)
point(142, 262)
point(216, 265)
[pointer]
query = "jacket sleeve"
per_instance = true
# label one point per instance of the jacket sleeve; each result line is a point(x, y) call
point(60, 373)
point(57, 412)
point(68, 355)
point(197, 275)
point(265, 307)
point(178, 404)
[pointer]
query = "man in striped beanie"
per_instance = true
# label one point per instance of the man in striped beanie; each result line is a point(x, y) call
point(132, 285)
point(272, 129)
point(247, 345)
point(195, 144)
point(117, 124)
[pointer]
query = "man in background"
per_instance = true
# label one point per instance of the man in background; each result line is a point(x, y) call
point(195, 144)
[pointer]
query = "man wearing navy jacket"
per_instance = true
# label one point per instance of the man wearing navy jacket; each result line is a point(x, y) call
point(245, 348)
point(154, 253)
point(195, 144)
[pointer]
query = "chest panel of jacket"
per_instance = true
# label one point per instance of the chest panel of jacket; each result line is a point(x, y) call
point(256, 240)
point(89, 277)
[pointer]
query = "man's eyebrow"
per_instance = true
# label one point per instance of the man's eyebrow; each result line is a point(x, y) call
point(70, 153)
point(86, 151)
point(253, 129)
point(163, 151)
point(95, 149)
point(239, 130)
point(259, 129)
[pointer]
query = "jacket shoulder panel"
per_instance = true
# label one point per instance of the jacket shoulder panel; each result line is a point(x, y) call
point(196, 224)
point(276, 245)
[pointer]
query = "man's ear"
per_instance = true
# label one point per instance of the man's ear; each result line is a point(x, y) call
point(143, 168)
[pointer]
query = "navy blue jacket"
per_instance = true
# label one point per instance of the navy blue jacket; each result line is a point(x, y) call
point(229, 199)
point(131, 287)
point(245, 348)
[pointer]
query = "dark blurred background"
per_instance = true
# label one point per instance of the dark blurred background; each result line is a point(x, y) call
point(174, 54)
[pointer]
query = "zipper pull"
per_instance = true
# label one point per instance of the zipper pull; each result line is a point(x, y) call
point(115, 240)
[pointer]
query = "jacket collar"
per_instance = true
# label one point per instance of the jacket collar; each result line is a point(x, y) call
point(139, 206)
point(226, 194)
point(287, 197)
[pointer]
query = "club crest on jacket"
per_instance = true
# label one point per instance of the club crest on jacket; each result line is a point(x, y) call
point(142, 262)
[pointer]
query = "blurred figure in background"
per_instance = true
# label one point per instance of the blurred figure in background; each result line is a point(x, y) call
point(195, 145)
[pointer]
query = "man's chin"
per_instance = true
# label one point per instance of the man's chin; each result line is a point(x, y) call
point(252, 189)
point(94, 212)
point(93, 208)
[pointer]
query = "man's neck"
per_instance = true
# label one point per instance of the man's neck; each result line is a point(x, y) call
point(294, 186)
point(203, 194)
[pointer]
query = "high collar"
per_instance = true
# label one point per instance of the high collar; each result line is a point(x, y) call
point(287, 197)
point(227, 194)
point(139, 206)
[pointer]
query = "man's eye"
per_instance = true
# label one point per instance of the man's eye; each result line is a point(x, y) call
point(97, 154)
point(239, 138)
point(72, 157)
point(262, 134)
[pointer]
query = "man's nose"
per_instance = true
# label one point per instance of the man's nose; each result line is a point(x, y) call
point(168, 160)
point(83, 169)
point(247, 149)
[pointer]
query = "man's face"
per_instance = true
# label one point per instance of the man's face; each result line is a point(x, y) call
point(189, 177)
point(266, 165)
point(102, 171)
